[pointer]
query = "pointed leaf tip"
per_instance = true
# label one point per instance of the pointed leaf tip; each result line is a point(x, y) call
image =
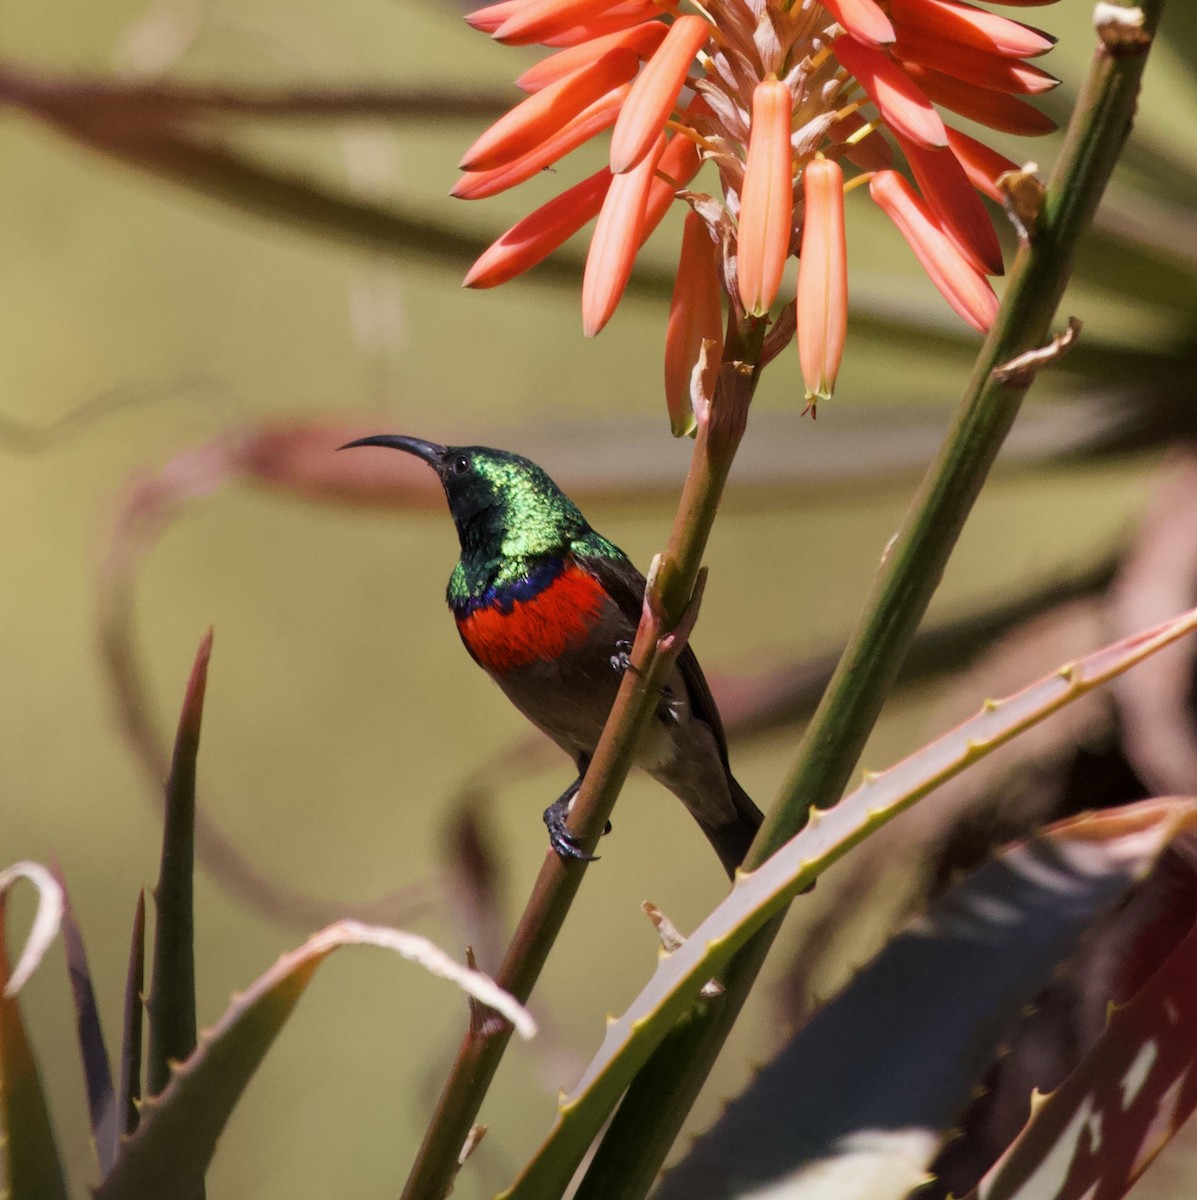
point(191, 715)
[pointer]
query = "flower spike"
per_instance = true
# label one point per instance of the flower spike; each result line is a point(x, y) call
point(771, 97)
point(767, 198)
point(822, 280)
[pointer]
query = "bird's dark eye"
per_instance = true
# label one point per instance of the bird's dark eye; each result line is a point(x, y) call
point(461, 464)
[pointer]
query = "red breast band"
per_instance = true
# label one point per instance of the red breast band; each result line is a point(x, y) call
point(538, 629)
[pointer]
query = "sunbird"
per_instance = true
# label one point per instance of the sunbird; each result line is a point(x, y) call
point(548, 608)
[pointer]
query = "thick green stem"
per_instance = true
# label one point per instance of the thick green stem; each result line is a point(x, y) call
point(667, 610)
point(655, 1106)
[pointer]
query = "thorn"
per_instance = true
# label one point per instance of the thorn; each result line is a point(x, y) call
point(989, 706)
point(667, 931)
point(473, 1138)
point(1021, 370)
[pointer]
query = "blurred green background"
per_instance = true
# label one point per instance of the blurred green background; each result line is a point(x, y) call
point(342, 713)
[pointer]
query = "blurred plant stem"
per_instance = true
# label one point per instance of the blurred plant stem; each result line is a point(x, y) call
point(655, 1106)
point(670, 607)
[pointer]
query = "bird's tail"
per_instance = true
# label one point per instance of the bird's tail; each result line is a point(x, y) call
point(731, 839)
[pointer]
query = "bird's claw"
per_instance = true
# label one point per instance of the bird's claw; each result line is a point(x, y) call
point(563, 842)
point(621, 660)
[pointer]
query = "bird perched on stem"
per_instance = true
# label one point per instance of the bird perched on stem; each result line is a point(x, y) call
point(549, 609)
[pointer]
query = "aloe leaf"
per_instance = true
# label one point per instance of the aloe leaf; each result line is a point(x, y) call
point(97, 1071)
point(221, 173)
point(104, 104)
point(1102, 1127)
point(856, 1106)
point(171, 1002)
point(31, 1163)
point(757, 896)
point(174, 1142)
point(130, 1086)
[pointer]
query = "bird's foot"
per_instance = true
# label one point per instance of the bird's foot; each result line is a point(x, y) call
point(560, 838)
point(621, 660)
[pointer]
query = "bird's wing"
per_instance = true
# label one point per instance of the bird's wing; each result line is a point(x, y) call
point(625, 585)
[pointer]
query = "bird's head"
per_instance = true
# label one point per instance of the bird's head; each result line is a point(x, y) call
point(500, 502)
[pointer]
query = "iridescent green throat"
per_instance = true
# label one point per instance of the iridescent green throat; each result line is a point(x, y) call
point(512, 520)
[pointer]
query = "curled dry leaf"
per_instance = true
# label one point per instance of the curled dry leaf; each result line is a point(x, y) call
point(46, 922)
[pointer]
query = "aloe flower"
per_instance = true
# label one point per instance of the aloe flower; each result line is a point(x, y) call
point(793, 106)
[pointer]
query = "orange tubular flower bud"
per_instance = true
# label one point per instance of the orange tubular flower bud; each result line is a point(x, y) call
point(767, 199)
point(959, 210)
point(643, 39)
point(982, 165)
point(615, 242)
point(544, 114)
point(901, 104)
point(540, 233)
point(863, 19)
point(622, 16)
point(675, 169)
point(476, 185)
point(995, 109)
point(822, 279)
point(964, 25)
point(695, 317)
point(655, 92)
point(537, 18)
point(488, 19)
point(963, 287)
point(982, 68)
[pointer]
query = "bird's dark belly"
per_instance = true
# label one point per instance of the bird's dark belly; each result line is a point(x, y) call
point(570, 694)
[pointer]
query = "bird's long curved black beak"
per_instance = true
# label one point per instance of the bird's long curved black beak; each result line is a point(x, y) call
point(430, 452)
